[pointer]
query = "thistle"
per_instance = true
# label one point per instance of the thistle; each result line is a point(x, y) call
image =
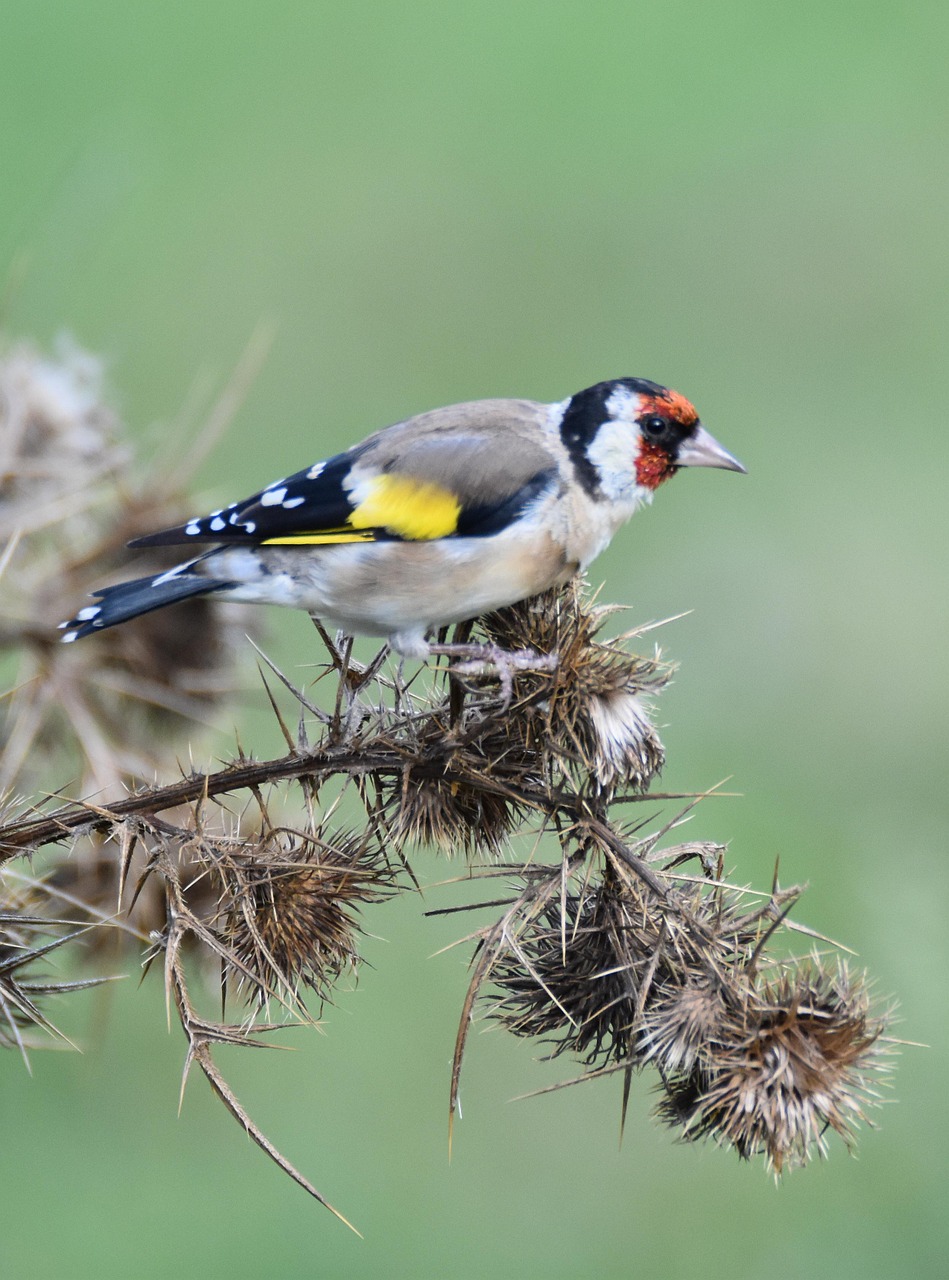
point(254, 880)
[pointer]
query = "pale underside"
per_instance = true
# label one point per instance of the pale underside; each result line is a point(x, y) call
point(397, 589)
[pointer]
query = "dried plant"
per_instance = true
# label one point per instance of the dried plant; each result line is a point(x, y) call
point(287, 911)
point(614, 946)
point(28, 936)
point(71, 497)
point(593, 714)
point(799, 1055)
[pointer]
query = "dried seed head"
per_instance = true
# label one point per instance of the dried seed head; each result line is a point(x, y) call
point(68, 492)
point(58, 438)
point(621, 743)
point(801, 1055)
point(450, 814)
point(591, 714)
point(289, 917)
point(679, 1028)
point(577, 974)
point(457, 794)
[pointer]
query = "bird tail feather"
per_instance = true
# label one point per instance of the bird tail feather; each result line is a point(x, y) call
point(142, 595)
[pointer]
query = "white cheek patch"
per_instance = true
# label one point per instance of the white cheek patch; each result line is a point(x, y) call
point(613, 452)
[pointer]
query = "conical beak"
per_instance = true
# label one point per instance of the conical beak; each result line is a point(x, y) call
point(703, 450)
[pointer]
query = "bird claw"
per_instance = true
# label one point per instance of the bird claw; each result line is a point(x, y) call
point(479, 659)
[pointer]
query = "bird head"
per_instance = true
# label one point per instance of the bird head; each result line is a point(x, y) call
point(630, 434)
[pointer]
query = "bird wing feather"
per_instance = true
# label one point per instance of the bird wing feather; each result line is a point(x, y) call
point(467, 469)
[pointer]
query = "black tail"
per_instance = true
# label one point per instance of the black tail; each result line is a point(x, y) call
point(129, 599)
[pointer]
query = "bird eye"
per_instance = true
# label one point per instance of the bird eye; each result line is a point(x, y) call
point(654, 426)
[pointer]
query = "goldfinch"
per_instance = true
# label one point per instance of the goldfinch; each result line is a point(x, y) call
point(437, 519)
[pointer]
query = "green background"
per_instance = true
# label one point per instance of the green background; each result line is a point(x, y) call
point(435, 202)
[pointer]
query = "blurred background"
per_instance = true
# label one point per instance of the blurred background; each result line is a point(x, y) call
point(431, 203)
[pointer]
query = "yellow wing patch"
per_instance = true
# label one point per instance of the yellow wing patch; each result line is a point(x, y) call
point(410, 508)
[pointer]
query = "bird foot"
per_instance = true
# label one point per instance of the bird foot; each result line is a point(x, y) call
point(481, 659)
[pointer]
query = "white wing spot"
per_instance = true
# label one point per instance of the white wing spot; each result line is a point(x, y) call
point(87, 614)
point(192, 529)
point(273, 497)
point(276, 485)
point(217, 524)
point(249, 526)
point(316, 471)
point(293, 502)
point(69, 637)
point(234, 518)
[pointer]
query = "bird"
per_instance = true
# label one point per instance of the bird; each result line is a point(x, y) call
point(435, 520)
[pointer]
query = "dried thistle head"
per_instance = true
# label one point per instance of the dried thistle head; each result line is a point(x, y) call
point(579, 973)
point(680, 1027)
point(58, 438)
point(632, 970)
point(288, 915)
point(449, 814)
point(592, 714)
point(69, 501)
point(458, 790)
point(800, 1055)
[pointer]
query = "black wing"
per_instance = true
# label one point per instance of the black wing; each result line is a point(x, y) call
point(314, 501)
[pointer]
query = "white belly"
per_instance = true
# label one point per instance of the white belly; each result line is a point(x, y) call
point(385, 588)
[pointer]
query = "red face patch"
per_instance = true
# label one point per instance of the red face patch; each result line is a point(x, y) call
point(653, 465)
